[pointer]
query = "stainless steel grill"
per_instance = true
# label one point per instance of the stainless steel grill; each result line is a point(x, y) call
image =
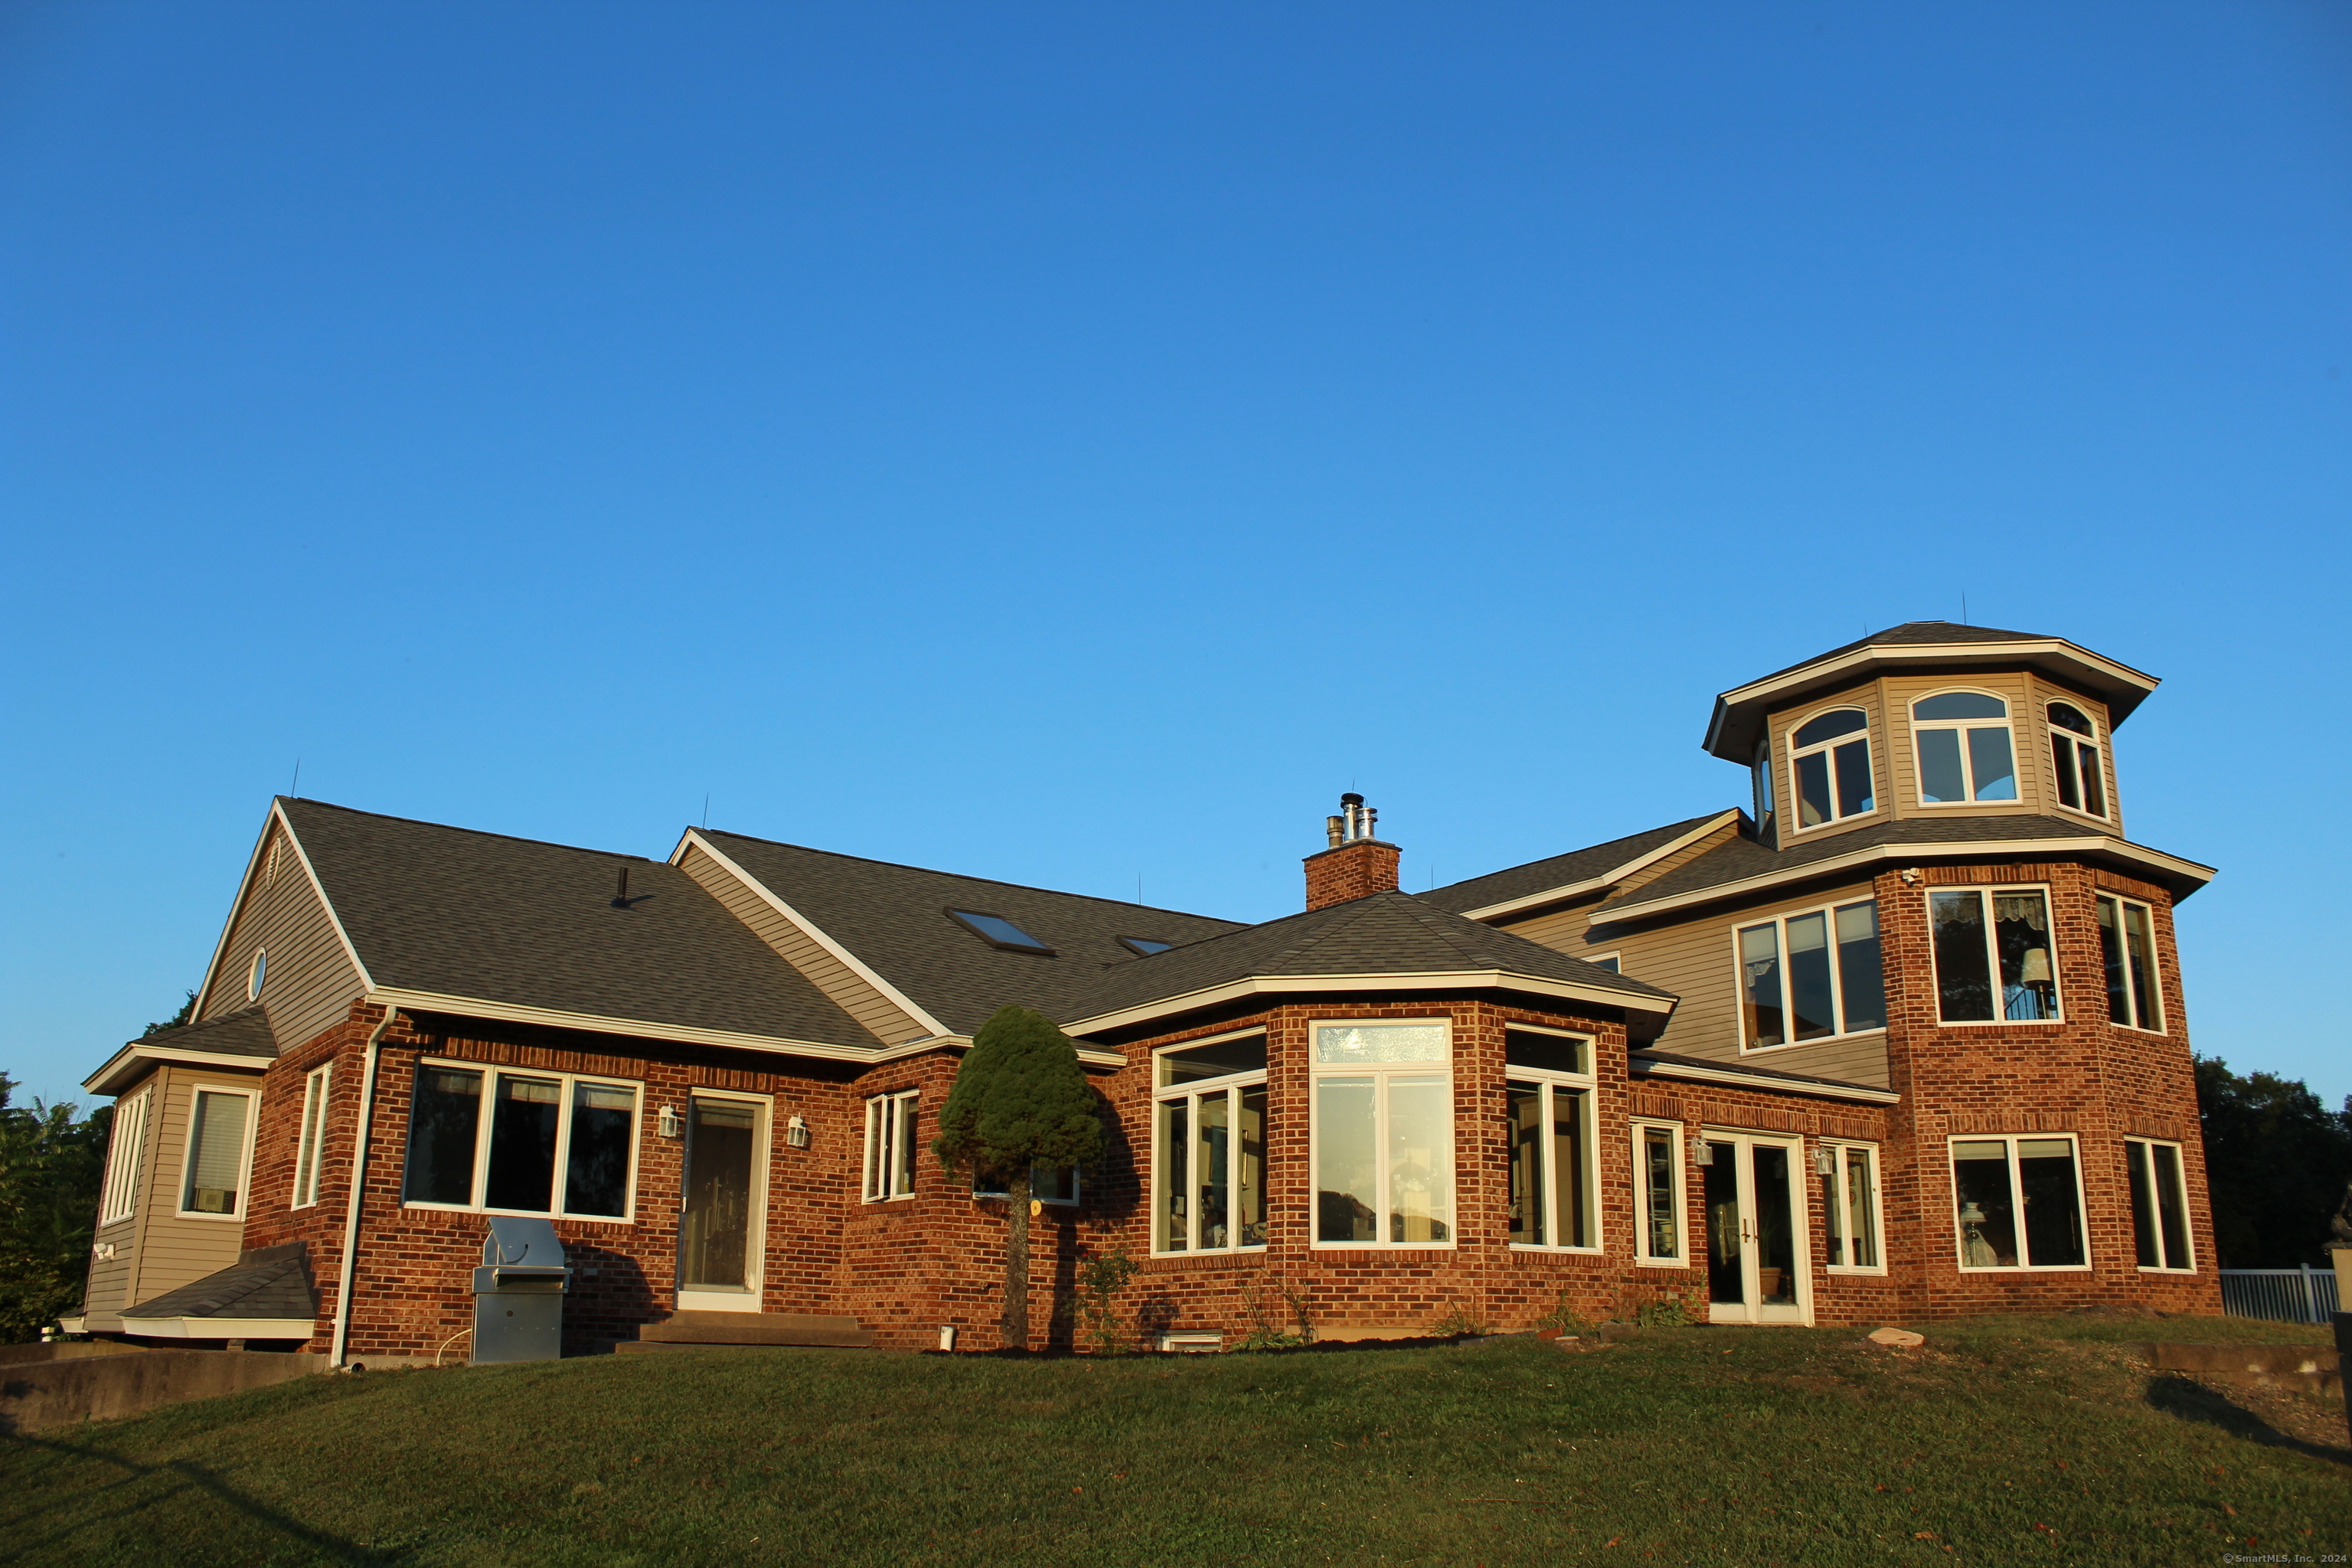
point(518, 1292)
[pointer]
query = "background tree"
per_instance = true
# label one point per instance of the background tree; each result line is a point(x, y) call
point(1020, 1100)
point(50, 1166)
point(187, 1011)
point(2276, 1160)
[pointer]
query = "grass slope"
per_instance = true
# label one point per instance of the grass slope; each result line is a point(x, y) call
point(1998, 1443)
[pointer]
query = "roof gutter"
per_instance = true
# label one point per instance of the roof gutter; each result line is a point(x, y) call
point(113, 1077)
point(348, 1270)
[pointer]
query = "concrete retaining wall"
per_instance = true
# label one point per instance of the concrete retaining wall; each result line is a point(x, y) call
point(83, 1385)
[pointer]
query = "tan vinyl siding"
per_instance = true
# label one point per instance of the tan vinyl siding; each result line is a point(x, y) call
point(108, 1291)
point(851, 992)
point(1782, 725)
point(2014, 686)
point(308, 982)
point(175, 1250)
point(1676, 861)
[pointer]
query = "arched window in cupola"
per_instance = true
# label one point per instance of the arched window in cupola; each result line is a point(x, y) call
point(1830, 763)
point(2074, 748)
point(1963, 744)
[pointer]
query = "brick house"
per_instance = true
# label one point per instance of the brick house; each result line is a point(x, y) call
point(1903, 1037)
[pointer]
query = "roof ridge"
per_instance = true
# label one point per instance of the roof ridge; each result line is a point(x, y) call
point(1436, 922)
point(991, 882)
point(453, 827)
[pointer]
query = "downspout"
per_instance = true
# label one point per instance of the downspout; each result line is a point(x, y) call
point(359, 1186)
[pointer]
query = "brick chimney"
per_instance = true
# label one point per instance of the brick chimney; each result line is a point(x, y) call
point(1357, 864)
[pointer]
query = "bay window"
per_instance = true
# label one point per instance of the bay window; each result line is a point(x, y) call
point(1548, 1091)
point(1962, 742)
point(1851, 1205)
point(2074, 751)
point(521, 1142)
point(1993, 962)
point(220, 1151)
point(890, 1146)
point(1382, 1131)
point(2159, 1205)
point(2128, 947)
point(1208, 1145)
point(1659, 1192)
point(2018, 1203)
point(1811, 975)
point(1833, 772)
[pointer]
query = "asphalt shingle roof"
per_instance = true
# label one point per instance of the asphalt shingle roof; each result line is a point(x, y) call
point(481, 915)
point(245, 1033)
point(1556, 871)
point(1386, 933)
point(894, 918)
point(1641, 1058)
point(1915, 633)
point(1743, 857)
point(267, 1282)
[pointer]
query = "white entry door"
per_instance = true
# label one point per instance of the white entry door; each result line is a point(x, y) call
point(1759, 1268)
point(722, 1223)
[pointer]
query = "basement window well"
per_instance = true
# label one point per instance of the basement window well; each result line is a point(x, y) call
point(999, 933)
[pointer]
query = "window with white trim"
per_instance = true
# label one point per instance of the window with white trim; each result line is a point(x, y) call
point(2074, 753)
point(2018, 1203)
point(1850, 1205)
point(2159, 1206)
point(1993, 958)
point(311, 1141)
point(1660, 1192)
point(1208, 1145)
point(120, 1200)
point(1382, 1131)
point(253, 976)
point(1608, 961)
point(1548, 1094)
point(521, 1142)
point(1760, 780)
point(1961, 740)
point(220, 1151)
point(1047, 1184)
point(890, 1152)
point(1829, 763)
point(2128, 949)
point(1811, 975)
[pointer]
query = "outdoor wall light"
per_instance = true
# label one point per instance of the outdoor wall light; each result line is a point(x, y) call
point(796, 1134)
point(1825, 1160)
point(669, 1121)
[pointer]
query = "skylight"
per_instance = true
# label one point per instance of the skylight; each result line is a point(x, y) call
point(1147, 945)
point(998, 931)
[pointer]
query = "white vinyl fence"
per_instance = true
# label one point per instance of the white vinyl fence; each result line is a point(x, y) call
point(2282, 1295)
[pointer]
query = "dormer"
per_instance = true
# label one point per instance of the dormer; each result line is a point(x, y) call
point(1930, 719)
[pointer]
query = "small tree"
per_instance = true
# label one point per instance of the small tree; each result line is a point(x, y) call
point(1020, 1100)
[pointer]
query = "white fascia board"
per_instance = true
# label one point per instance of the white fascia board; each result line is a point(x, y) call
point(221, 1328)
point(681, 1034)
point(1447, 980)
point(277, 818)
point(1764, 1080)
point(810, 928)
point(1569, 890)
point(2094, 844)
point(117, 1065)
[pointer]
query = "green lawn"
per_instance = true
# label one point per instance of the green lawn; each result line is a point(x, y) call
point(2000, 1443)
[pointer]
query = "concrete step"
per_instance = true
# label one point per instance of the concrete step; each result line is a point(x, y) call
point(753, 1329)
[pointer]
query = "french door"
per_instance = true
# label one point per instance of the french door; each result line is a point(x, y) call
point(723, 1222)
point(1759, 1268)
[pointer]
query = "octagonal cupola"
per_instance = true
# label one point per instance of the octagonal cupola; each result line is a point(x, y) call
point(1925, 720)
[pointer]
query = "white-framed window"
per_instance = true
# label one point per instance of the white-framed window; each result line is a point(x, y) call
point(1208, 1144)
point(1812, 974)
point(1549, 1093)
point(1829, 768)
point(1660, 1193)
point(890, 1152)
point(1993, 958)
point(1608, 961)
point(1962, 742)
point(1382, 1131)
point(511, 1140)
point(2128, 947)
point(2018, 1203)
point(1047, 1184)
point(220, 1155)
point(1856, 1237)
point(2159, 1206)
point(312, 1140)
point(253, 976)
point(1759, 774)
point(2074, 753)
point(120, 1200)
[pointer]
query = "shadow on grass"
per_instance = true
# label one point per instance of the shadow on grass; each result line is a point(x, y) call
point(2191, 1401)
point(22, 1542)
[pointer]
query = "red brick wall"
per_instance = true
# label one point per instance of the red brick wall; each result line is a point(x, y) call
point(1352, 870)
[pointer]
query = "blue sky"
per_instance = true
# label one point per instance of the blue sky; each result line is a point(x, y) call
point(1069, 444)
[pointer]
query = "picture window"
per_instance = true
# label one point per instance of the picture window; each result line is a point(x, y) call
point(1811, 975)
point(1549, 1100)
point(1962, 742)
point(1382, 1131)
point(1208, 1145)
point(1993, 960)
point(521, 1142)
point(2018, 1203)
